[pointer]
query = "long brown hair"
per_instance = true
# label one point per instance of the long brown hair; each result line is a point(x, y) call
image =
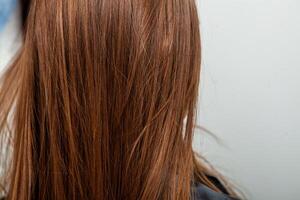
point(100, 102)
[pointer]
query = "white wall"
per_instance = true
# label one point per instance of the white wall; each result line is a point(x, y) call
point(250, 94)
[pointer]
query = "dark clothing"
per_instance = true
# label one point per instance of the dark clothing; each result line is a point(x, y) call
point(202, 192)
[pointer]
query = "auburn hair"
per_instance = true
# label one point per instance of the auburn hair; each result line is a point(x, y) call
point(100, 102)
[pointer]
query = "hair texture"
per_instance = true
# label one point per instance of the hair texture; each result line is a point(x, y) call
point(100, 102)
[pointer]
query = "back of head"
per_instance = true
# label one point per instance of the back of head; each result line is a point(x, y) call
point(101, 101)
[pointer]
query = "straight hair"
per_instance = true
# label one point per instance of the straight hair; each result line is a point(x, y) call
point(100, 102)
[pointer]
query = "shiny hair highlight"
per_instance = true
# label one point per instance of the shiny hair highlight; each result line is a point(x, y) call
point(100, 102)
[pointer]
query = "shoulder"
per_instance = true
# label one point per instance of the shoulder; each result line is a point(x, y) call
point(202, 192)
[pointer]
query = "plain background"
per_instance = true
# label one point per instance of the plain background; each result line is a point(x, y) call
point(250, 92)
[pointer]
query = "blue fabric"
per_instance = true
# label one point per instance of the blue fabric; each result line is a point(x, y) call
point(202, 192)
point(6, 8)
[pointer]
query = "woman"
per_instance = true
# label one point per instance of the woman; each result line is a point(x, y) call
point(100, 103)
